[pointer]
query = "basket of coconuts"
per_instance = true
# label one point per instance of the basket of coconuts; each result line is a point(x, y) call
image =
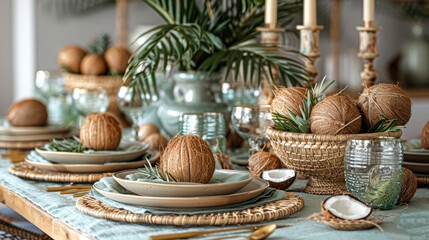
point(311, 131)
point(101, 66)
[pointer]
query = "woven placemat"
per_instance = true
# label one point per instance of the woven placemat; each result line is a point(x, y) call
point(268, 212)
point(8, 231)
point(27, 171)
point(347, 225)
point(24, 145)
point(423, 180)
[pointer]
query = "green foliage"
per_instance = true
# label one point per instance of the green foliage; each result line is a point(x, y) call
point(155, 173)
point(100, 44)
point(385, 125)
point(67, 145)
point(214, 36)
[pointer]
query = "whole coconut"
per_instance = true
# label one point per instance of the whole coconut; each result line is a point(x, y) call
point(384, 99)
point(263, 161)
point(290, 98)
point(335, 115)
point(70, 57)
point(117, 59)
point(101, 131)
point(408, 186)
point(157, 141)
point(188, 158)
point(93, 64)
point(27, 112)
point(146, 130)
point(424, 138)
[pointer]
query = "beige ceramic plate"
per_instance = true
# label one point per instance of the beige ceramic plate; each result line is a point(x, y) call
point(181, 190)
point(37, 137)
point(417, 167)
point(94, 168)
point(93, 158)
point(251, 190)
point(25, 131)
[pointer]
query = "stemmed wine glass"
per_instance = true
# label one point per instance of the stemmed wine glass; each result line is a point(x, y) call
point(90, 100)
point(133, 103)
point(250, 122)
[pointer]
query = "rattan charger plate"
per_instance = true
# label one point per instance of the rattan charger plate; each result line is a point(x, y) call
point(348, 225)
point(24, 170)
point(268, 212)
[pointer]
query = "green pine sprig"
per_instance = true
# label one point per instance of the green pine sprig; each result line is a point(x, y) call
point(385, 125)
point(100, 44)
point(67, 145)
point(155, 173)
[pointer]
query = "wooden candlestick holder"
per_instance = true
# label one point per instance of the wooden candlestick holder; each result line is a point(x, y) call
point(269, 36)
point(368, 52)
point(310, 47)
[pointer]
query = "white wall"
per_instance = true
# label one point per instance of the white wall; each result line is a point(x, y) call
point(6, 83)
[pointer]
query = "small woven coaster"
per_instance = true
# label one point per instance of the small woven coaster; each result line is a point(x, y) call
point(22, 144)
point(27, 171)
point(423, 181)
point(348, 225)
point(268, 212)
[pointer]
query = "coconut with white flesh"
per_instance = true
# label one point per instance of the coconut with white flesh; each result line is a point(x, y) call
point(345, 206)
point(279, 178)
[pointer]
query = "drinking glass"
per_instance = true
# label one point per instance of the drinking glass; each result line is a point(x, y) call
point(250, 122)
point(90, 100)
point(134, 104)
point(373, 170)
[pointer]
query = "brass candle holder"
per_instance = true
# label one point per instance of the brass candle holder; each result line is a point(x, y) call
point(309, 47)
point(269, 35)
point(368, 52)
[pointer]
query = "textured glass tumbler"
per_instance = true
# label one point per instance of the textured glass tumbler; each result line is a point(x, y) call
point(214, 131)
point(191, 123)
point(373, 170)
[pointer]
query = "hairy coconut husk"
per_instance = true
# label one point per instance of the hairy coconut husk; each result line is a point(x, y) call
point(408, 186)
point(263, 161)
point(101, 131)
point(157, 141)
point(93, 64)
point(384, 99)
point(290, 98)
point(188, 158)
point(335, 114)
point(70, 57)
point(27, 112)
point(233, 140)
point(223, 159)
point(424, 138)
point(117, 59)
point(146, 130)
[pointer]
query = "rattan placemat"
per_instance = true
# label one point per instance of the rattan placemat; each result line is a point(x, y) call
point(27, 171)
point(348, 225)
point(268, 212)
point(22, 144)
point(8, 231)
point(423, 180)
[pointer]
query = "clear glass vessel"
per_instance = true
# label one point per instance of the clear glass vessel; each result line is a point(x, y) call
point(373, 170)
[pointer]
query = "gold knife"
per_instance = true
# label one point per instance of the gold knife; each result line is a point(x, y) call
point(199, 233)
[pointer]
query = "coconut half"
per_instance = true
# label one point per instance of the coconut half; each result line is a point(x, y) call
point(279, 178)
point(345, 207)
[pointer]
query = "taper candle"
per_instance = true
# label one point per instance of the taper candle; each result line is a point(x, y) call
point(271, 13)
point(310, 13)
point(368, 11)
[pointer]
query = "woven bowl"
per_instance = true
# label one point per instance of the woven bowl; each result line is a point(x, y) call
point(110, 83)
point(320, 157)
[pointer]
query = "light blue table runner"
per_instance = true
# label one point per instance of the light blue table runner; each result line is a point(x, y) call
point(412, 219)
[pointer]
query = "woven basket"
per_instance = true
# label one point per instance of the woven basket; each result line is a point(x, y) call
point(110, 83)
point(320, 157)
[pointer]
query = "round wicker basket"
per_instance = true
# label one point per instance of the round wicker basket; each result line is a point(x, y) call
point(320, 157)
point(110, 83)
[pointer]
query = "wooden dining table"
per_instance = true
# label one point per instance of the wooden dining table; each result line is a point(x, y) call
point(57, 216)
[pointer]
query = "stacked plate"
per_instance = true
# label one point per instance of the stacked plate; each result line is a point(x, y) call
point(226, 187)
point(129, 155)
point(30, 137)
point(415, 157)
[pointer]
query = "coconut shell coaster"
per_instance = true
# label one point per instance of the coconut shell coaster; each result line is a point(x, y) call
point(268, 212)
point(348, 225)
point(24, 170)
